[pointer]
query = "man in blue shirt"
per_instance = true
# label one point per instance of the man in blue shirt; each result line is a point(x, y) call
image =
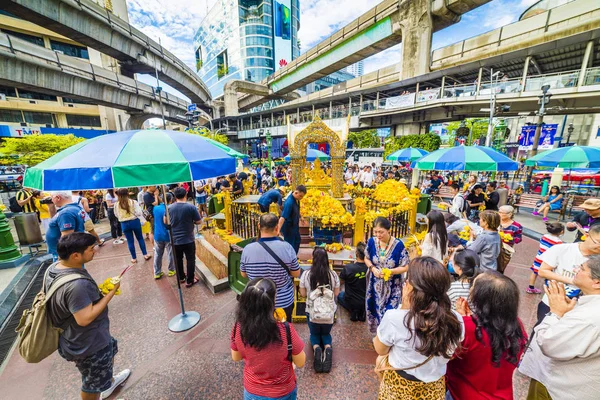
point(272, 196)
point(69, 218)
point(289, 223)
point(162, 239)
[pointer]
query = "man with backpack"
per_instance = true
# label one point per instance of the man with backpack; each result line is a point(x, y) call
point(459, 205)
point(81, 311)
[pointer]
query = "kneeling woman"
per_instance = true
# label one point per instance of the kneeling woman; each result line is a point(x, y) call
point(383, 251)
point(416, 341)
point(262, 342)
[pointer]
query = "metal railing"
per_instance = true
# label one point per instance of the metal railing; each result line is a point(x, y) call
point(508, 86)
point(592, 77)
point(556, 81)
point(244, 220)
point(460, 90)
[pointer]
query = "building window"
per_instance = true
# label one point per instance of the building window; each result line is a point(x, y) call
point(222, 65)
point(8, 91)
point(28, 94)
point(11, 116)
point(199, 61)
point(70, 49)
point(30, 38)
point(83, 120)
point(38, 118)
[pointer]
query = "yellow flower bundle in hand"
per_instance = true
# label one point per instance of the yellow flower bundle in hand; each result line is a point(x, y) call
point(387, 273)
point(506, 237)
point(109, 284)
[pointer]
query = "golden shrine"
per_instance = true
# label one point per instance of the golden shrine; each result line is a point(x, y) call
point(317, 132)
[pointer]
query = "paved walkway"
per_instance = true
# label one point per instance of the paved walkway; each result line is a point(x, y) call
point(197, 364)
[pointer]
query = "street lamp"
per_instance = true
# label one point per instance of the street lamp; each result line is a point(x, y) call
point(544, 99)
point(490, 131)
point(570, 130)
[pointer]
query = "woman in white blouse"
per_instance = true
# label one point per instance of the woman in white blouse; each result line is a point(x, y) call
point(416, 341)
point(435, 243)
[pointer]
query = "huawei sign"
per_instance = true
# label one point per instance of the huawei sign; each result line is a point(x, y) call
point(282, 62)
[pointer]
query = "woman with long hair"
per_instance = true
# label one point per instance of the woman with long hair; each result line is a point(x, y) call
point(487, 244)
point(494, 340)
point(320, 334)
point(262, 342)
point(416, 341)
point(115, 226)
point(435, 243)
point(383, 251)
point(128, 213)
point(553, 202)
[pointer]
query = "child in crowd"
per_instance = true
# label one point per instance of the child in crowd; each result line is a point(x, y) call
point(555, 231)
point(466, 266)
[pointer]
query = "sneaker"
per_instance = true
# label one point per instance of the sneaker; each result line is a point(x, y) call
point(535, 213)
point(118, 380)
point(545, 219)
point(159, 275)
point(171, 273)
point(318, 362)
point(327, 359)
point(533, 291)
point(118, 241)
point(354, 316)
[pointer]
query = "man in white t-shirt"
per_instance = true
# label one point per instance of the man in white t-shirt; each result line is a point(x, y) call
point(559, 263)
point(367, 177)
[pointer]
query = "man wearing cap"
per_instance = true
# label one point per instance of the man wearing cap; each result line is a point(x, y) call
point(583, 220)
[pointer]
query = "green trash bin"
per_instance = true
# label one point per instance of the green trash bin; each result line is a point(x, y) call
point(237, 282)
point(424, 205)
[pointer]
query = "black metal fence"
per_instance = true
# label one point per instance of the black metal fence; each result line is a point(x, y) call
point(244, 220)
point(400, 220)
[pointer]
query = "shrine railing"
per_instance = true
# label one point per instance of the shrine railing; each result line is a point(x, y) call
point(244, 220)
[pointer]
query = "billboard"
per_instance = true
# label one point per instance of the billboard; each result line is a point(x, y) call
point(283, 32)
point(546, 137)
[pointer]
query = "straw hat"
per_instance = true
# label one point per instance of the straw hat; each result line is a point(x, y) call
point(591, 204)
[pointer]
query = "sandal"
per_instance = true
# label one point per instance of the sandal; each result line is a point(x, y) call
point(134, 261)
point(147, 257)
point(102, 243)
point(196, 280)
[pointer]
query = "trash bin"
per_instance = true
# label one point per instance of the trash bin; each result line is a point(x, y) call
point(237, 282)
point(424, 205)
point(28, 228)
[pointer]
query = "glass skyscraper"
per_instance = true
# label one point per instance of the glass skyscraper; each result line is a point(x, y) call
point(247, 40)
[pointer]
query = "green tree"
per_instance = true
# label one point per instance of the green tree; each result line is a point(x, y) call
point(217, 137)
point(364, 139)
point(428, 141)
point(479, 126)
point(33, 149)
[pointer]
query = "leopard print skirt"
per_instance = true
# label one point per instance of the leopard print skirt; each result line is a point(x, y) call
point(395, 387)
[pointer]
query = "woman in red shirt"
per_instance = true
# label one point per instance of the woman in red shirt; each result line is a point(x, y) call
point(494, 340)
point(262, 342)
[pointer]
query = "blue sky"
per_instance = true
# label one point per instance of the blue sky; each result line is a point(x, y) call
point(175, 26)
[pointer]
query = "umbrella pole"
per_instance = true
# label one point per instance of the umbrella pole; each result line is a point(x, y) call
point(186, 320)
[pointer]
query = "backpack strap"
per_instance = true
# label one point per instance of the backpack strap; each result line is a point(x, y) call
point(54, 286)
point(288, 334)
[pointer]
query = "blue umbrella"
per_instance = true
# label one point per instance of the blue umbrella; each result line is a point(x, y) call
point(312, 155)
point(409, 154)
point(131, 158)
point(466, 158)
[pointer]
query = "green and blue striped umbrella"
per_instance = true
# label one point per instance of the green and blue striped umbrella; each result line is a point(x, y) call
point(406, 155)
point(312, 155)
point(466, 158)
point(567, 157)
point(131, 158)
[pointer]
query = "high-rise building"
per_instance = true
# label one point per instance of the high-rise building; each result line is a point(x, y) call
point(247, 40)
point(356, 69)
point(24, 111)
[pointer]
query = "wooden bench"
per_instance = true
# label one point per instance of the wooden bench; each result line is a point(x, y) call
point(444, 193)
point(574, 202)
point(571, 203)
point(527, 201)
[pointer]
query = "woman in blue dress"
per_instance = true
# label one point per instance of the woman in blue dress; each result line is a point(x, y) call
point(383, 251)
point(553, 203)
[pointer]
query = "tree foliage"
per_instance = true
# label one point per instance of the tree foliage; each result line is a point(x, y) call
point(479, 126)
point(428, 141)
point(33, 149)
point(217, 137)
point(364, 139)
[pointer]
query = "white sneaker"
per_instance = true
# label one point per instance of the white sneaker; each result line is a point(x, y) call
point(118, 241)
point(118, 380)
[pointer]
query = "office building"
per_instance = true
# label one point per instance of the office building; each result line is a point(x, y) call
point(356, 69)
point(24, 112)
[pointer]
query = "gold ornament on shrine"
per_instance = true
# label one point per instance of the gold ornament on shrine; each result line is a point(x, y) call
point(318, 132)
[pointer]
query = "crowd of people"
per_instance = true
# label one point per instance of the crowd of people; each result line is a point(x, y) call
point(444, 319)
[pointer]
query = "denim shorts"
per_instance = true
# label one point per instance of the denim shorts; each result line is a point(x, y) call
point(97, 369)
point(290, 396)
point(201, 200)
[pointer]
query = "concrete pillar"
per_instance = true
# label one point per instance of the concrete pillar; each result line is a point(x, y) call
point(297, 114)
point(586, 59)
point(377, 101)
point(442, 88)
point(230, 99)
point(260, 121)
point(525, 70)
point(361, 105)
point(417, 27)
point(479, 77)
point(330, 109)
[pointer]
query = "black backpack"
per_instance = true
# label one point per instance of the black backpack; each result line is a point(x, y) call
point(14, 206)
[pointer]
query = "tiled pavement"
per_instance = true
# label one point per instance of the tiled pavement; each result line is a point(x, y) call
point(197, 364)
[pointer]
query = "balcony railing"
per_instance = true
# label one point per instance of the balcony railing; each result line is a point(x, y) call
point(556, 81)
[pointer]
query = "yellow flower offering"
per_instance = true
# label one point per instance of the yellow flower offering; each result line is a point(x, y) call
point(279, 315)
point(583, 238)
point(334, 247)
point(387, 273)
point(321, 206)
point(482, 207)
point(109, 284)
point(506, 237)
point(443, 206)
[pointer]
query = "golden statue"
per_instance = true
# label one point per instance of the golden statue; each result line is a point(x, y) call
point(316, 176)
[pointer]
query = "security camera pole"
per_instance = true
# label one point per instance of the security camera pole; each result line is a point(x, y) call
point(544, 99)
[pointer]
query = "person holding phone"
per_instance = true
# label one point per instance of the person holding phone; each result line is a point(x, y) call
point(584, 220)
